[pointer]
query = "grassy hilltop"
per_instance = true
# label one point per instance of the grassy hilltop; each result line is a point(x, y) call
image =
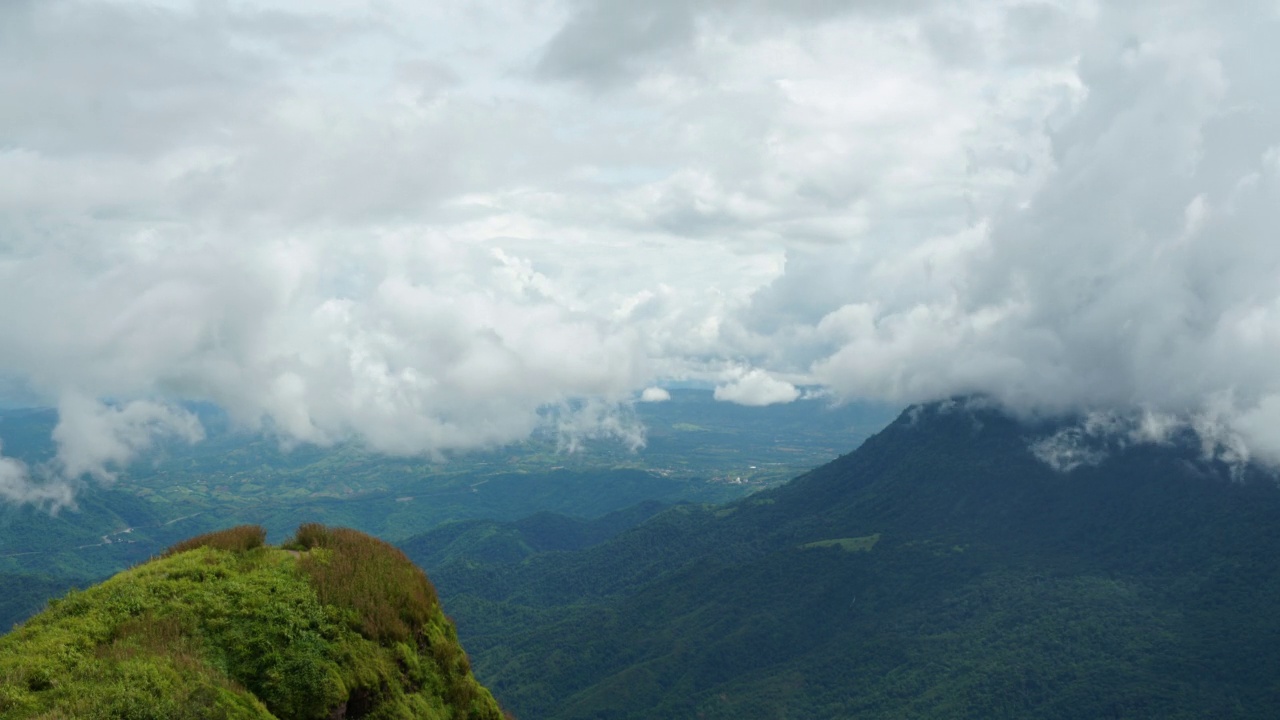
point(333, 624)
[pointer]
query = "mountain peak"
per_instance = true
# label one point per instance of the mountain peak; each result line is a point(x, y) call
point(334, 624)
point(943, 569)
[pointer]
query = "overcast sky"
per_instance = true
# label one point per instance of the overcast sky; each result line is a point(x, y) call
point(417, 224)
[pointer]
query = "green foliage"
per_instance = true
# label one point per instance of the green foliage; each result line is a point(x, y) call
point(237, 539)
point(1143, 587)
point(308, 536)
point(225, 628)
point(488, 541)
point(391, 597)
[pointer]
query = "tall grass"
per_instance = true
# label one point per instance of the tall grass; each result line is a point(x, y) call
point(393, 602)
point(392, 598)
point(236, 539)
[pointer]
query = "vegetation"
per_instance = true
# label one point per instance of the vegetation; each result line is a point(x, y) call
point(236, 539)
point(222, 626)
point(940, 571)
point(698, 450)
point(858, 544)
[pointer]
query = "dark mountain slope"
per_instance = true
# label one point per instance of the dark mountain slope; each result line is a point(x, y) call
point(498, 542)
point(941, 570)
point(42, 555)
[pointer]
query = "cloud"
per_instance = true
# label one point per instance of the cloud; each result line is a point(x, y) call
point(577, 422)
point(607, 42)
point(94, 440)
point(1138, 273)
point(17, 486)
point(654, 395)
point(91, 436)
point(1096, 436)
point(756, 388)
point(359, 222)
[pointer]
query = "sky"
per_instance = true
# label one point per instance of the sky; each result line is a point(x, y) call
point(434, 227)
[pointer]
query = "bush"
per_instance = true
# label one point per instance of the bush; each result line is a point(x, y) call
point(389, 594)
point(392, 602)
point(309, 535)
point(236, 539)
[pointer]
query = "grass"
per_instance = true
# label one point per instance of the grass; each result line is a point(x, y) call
point(236, 539)
point(391, 597)
point(223, 626)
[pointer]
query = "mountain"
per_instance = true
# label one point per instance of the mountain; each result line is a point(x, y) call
point(942, 570)
point(334, 624)
point(498, 542)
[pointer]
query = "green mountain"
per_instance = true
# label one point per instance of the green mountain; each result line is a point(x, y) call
point(940, 571)
point(500, 543)
point(334, 624)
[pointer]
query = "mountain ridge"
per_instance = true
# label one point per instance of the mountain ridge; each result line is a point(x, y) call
point(940, 570)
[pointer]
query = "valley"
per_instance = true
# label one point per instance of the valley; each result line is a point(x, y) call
point(698, 450)
point(940, 570)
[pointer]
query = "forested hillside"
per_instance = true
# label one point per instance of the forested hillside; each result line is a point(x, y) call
point(940, 571)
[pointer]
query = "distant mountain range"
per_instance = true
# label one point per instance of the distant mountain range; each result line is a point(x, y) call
point(942, 570)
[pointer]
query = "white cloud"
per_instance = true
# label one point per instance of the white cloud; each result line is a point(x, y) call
point(654, 395)
point(1067, 450)
point(580, 421)
point(18, 486)
point(756, 388)
point(421, 226)
point(92, 436)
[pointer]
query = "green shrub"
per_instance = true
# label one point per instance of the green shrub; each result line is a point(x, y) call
point(392, 598)
point(236, 539)
point(392, 603)
point(309, 535)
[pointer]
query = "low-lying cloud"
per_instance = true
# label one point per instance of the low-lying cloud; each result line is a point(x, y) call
point(756, 388)
point(654, 395)
point(19, 486)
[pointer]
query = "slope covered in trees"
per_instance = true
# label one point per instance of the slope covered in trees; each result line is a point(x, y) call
point(940, 571)
point(336, 624)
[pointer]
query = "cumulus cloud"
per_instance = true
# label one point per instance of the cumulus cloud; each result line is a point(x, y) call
point(756, 388)
point(1141, 271)
point(654, 394)
point(397, 224)
point(92, 436)
point(94, 440)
